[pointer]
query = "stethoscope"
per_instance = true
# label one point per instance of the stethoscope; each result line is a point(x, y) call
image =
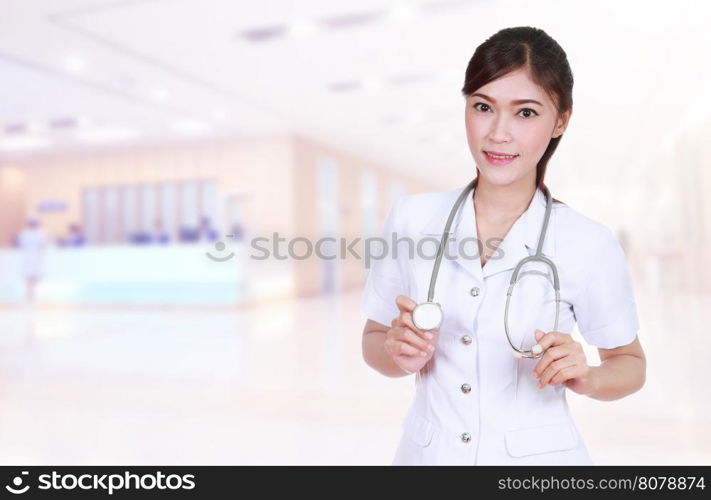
point(429, 315)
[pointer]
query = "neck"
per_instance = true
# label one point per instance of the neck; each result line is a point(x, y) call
point(499, 204)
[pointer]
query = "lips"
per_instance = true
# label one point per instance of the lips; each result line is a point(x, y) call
point(499, 160)
point(500, 154)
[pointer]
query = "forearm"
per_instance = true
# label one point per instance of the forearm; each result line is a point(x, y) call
point(618, 377)
point(376, 357)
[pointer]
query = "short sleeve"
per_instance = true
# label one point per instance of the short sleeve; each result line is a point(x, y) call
point(384, 281)
point(606, 310)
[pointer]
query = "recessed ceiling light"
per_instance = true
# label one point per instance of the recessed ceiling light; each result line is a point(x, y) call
point(62, 123)
point(344, 86)
point(263, 34)
point(350, 20)
point(15, 128)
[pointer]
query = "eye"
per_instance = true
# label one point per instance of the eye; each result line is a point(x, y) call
point(527, 110)
point(531, 110)
point(483, 104)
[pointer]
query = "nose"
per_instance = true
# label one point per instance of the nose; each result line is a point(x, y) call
point(499, 132)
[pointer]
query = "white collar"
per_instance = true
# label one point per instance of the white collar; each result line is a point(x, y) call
point(522, 235)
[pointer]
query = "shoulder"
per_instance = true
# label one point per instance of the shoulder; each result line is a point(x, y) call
point(582, 233)
point(412, 212)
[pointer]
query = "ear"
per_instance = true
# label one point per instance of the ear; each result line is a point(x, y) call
point(562, 123)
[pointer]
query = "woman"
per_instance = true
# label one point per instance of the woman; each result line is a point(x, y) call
point(475, 403)
point(32, 243)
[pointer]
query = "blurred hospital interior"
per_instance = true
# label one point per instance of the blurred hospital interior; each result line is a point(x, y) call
point(145, 146)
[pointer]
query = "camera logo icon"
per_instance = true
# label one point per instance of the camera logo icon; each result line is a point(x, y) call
point(219, 247)
point(17, 488)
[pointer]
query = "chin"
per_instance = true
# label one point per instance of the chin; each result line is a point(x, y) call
point(499, 176)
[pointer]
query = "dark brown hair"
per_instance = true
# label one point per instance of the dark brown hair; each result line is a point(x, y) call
point(532, 49)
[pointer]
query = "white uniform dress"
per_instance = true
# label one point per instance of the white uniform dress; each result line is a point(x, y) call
point(474, 403)
point(32, 242)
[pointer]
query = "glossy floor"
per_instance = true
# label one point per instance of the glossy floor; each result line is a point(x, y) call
point(284, 383)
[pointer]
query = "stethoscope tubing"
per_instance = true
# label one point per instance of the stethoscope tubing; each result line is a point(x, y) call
point(538, 256)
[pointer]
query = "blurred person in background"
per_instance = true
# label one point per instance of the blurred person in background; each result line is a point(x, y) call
point(32, 242)
point(75, 237)
point(205, 230)
point(238, 231)
point(160, 236)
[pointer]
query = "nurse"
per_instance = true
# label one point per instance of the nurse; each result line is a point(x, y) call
point(32, 243)
point(475, 403)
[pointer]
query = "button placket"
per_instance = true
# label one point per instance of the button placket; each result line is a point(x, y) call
point(465, 387)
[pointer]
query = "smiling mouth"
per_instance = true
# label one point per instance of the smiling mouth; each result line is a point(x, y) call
point(500, 156)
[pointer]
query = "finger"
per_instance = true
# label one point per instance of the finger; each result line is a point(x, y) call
point(415, 340)
point(405, 303)
point(548, 357)
point(570, 372)
point(405, 349)
point(554, 368)
point(554, 338)
point(396, 347)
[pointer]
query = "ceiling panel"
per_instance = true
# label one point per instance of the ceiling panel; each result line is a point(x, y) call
point(379, 79)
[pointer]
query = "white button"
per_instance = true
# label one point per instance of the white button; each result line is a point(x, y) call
point(466, 437)
point(466, 340)
point(474, 291)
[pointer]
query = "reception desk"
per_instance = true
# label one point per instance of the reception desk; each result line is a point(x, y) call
point(160, 274)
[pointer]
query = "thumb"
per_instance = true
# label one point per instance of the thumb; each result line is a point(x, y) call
point(539, 334)
point(405, 303)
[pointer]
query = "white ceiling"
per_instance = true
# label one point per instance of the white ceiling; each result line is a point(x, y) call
point(72, 68)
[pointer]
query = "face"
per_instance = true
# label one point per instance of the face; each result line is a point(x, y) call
point(496, 122)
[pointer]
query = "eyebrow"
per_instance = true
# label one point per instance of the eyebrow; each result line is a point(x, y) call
point(516, 101)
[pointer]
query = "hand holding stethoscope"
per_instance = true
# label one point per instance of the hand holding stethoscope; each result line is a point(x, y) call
point(563, 362)
point(410, 347)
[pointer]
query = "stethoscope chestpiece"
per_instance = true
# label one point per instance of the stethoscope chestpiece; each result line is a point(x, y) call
point(427, 316)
